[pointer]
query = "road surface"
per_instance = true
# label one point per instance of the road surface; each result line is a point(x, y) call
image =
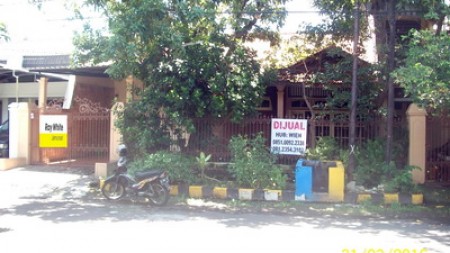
point(39, 214)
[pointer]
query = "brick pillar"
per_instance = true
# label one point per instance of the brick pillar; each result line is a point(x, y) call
point(417, 122)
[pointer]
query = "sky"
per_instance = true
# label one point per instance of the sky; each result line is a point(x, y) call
point(50, 30)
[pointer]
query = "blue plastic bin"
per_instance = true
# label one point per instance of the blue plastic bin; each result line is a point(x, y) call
point(303, 180)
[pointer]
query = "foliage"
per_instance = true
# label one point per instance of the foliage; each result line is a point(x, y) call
point(190, 55)
point(431, 10)
point(252, 164)
point(179, 167)
point(401, 180)
point(337, 25)
point(372, 170)
point(202, 162)
point(340, 71)
point(326, 149)
point(3, 32)
point(426, 73)
point(288, 52)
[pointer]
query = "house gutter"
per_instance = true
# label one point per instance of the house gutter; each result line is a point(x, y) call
point(70, 78)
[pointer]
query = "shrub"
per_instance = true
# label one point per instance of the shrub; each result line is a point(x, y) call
point(253, 165)
point(326, 149)
point(370, 168)
point(401, 180)
point(179, 166)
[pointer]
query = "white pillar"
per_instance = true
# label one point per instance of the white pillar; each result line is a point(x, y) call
point(19, 131)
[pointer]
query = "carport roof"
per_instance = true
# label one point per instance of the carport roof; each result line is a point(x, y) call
point(34, 66)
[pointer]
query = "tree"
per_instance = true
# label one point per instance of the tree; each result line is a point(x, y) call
point(190, 55)
point(340, 71)
point(338, 27)
point(425, 75)
point(3, 32)
point(432, 11)
point(338, 23)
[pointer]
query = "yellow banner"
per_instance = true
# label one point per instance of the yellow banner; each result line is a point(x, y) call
point(53, 140)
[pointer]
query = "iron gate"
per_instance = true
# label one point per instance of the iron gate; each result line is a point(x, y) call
point(88, 134)
point(438, 149)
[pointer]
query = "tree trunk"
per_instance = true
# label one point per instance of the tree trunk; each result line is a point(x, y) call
point(390, 81)
point(351, 159)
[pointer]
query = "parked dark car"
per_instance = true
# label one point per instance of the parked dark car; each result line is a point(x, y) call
point(4, 139)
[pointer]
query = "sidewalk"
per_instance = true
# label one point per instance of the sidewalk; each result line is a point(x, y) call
point(44, 182)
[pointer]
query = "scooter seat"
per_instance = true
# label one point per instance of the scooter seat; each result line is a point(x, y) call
point(146, 174)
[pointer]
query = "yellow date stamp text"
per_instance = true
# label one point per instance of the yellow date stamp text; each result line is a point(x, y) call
point(385, 250)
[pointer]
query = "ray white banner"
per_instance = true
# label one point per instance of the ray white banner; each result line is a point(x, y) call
point(53, 131)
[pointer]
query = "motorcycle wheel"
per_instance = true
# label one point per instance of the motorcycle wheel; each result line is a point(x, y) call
point(161, 195)
point(113, 190)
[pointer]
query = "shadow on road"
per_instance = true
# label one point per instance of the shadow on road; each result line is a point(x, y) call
point(82, 210)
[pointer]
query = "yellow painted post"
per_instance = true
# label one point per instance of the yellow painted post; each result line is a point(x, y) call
point(220, 192)
point(336, 182)
point(362, 197)
point(174, 190)
point(390, 198)
point(195, 191)
point(417, 199)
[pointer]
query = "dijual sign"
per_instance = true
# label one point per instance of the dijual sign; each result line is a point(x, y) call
point(288, 136)
point(53, 131)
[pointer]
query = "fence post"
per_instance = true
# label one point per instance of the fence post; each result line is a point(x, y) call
point(417, 122)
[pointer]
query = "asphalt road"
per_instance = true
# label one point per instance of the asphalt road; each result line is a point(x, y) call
point(54, 212)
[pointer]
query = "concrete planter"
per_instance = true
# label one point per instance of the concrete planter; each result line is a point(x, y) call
point(246, 194)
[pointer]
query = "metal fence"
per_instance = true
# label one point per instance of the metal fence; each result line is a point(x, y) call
point(88, 135)
point(438, 149)
point(212, 135)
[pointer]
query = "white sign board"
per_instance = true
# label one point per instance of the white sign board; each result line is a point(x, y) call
point(288, 136)
point(53, 131)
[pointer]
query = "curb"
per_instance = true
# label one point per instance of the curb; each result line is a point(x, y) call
point(385, 198)
point(199, 191)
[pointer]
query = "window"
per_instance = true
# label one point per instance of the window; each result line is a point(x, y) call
point(266, 104)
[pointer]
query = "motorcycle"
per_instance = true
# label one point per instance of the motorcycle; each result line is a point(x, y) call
point(152, 185)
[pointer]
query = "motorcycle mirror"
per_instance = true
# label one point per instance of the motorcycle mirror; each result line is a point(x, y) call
point(122, 150)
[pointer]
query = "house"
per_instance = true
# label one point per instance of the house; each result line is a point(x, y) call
point(286, 98)
point(46, 84)
point(20, 83)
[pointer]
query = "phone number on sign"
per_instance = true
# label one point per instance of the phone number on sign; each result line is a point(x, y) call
point(379, 250)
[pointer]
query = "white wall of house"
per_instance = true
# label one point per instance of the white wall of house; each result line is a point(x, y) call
point(26, 91)
point(31, 89)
